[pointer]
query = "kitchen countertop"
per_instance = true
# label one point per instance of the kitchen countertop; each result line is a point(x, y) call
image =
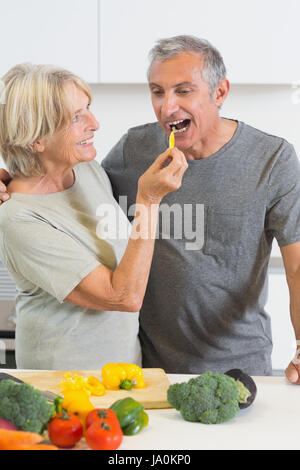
point(272, 422)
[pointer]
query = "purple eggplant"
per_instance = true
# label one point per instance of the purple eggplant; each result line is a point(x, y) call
point(247, 381)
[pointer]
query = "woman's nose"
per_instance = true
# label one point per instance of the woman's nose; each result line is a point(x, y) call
point(93, 122)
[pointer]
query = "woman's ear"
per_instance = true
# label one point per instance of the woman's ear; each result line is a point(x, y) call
point(38, 146)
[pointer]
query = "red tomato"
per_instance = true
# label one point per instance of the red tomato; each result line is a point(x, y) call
point(104, 436)
point(99, 414)
point(4, 424)
point(65, 430)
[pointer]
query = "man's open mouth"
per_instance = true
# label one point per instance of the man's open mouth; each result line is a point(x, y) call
point(179, 126)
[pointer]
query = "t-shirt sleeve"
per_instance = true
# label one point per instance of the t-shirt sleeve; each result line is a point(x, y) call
point(283, 205)
point(47, 257)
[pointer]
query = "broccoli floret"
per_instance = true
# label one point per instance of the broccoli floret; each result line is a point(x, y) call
point(24, 406)
point(209, 398)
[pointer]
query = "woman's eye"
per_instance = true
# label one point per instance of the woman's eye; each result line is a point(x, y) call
point(75, 118)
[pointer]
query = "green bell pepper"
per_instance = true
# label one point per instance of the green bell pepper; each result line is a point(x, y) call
point(131, 415)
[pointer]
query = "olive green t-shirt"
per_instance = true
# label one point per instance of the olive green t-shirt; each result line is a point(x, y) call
point(49, 243)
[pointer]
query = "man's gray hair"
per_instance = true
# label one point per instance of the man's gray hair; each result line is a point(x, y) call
point(214, 69)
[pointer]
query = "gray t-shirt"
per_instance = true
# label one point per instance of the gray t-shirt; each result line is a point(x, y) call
point(49, 243)
point(204, 307)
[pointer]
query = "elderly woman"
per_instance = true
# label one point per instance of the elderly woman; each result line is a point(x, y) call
point(78, 289)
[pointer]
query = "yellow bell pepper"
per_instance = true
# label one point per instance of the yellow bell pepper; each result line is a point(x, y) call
point(171, 141)
point(77, 402)
point(91, 384)
point(122, 375)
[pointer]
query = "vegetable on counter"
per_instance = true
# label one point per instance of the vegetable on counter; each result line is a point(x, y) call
point(104, 435)
point(77, 402)
point(131, 415)
point(99, 414)
point(22, 440)
point(209, 398)
point(122, 375)
point(246, 385)
point(4, 424)
point(65, 429)
point(24, 406)
point(91, 384)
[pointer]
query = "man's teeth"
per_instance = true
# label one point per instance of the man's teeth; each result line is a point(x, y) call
point(174, 123)
point(173, 128)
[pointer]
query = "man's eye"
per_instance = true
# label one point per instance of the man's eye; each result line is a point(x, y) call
point(183, 92)
point(157, 92)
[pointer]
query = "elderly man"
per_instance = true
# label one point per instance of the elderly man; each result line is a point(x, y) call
point(204, 304)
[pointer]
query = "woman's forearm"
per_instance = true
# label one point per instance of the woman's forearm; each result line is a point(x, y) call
point(129, 279)
point(123, 289)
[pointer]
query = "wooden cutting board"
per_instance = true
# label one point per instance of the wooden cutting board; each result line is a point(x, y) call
point(154, 395)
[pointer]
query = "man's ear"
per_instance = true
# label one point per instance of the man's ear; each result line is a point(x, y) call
point(221, 92)
point(38, 146)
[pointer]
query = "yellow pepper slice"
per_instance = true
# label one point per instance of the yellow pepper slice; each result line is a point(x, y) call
point(122, 375)
point(95, 386)
point(171, 141)
point(91, 384)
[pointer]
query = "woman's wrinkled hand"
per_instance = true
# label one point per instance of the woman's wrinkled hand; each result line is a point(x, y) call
point(4, 179)
point(163, 176)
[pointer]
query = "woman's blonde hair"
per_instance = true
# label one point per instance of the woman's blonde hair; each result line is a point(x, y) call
point(35, 107)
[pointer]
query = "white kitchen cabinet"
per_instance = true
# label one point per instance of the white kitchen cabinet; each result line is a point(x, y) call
point(259, 40)
point(60, 32)
point(284, 343)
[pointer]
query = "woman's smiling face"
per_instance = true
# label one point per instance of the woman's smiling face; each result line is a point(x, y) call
point(74, 142)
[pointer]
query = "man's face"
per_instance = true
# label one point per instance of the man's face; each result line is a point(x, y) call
point(179, 93)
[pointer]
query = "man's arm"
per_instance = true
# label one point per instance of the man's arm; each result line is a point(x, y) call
point(291, 260)
point(5, 178)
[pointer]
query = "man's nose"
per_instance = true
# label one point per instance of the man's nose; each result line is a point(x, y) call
point(170, 105)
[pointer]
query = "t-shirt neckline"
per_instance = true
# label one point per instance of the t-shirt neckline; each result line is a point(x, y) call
point(224, 148)
point(64, 191)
